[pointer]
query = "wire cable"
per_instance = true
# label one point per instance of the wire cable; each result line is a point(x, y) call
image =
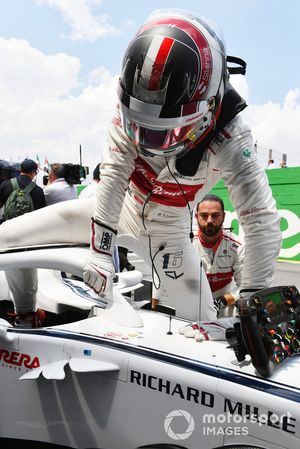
point(161, 248)
point(191, 235)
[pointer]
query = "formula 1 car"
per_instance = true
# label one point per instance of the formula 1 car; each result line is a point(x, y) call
point(106, 373)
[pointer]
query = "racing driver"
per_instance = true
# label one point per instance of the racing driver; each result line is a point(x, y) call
point(175, 133)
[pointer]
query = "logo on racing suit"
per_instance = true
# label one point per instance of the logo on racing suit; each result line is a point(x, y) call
point(167, 193)
point(172, 260)
point(246, 154)
point(105, 243)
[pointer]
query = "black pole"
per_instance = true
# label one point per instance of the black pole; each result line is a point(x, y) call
point(80, 156)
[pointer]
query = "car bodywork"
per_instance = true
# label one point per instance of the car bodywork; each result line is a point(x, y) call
point(122, 377)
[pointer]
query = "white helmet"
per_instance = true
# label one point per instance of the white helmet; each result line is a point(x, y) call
point(172, 82)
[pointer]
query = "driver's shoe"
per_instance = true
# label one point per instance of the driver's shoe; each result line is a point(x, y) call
point(28, 320)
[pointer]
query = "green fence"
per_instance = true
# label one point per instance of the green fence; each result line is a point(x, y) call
point(285, 185)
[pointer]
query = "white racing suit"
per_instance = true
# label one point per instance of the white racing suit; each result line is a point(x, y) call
point(223, 264)
point(157, 206)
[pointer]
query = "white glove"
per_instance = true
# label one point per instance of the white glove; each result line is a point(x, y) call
point(204, 331)
point(99, 271)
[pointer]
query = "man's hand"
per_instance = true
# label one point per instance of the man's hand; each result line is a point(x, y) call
point(219, 303)
point(99, 271)
point(194, 331)
point(204, 331)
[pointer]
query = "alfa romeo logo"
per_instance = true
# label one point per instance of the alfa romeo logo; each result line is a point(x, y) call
point(169, 428)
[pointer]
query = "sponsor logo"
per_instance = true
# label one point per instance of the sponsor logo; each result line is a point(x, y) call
point(234, 412)
point(171, 423)
point(172, 389)
point(119, 336)
point(246, 154)
point(105, 243)
point(253, 210)
point(207, 65)
point(219, 139)
point(18, 359)
point(290, 248)
point(159, 189)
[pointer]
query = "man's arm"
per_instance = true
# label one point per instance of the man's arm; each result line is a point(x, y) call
point(116, 168)
point(252, 198)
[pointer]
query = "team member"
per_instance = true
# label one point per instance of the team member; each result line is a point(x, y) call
point(176, 132)
point(221, 253)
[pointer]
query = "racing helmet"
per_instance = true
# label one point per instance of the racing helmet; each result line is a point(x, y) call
point(172, 82)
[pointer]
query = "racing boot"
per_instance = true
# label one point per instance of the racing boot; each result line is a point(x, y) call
point(28, 320)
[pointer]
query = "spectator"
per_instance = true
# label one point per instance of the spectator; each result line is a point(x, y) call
point(23, 315)
point(221, 253)
point(91, 188)
point(270, 164)
point(59, 187)
point(29, 171)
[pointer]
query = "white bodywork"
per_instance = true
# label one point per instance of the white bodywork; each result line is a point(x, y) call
point(118, 380)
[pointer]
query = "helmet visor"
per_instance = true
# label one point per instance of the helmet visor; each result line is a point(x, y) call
point(159, 141)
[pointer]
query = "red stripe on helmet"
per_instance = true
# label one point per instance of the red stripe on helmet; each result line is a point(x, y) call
point(159, 63)
point(189, 108)
point(202, 44)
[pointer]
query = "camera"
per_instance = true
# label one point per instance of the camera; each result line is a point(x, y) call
point(72, 173)
point(45, 180)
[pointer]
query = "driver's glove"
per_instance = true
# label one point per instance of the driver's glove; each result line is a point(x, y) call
point(99, 271)
point(210, 330)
